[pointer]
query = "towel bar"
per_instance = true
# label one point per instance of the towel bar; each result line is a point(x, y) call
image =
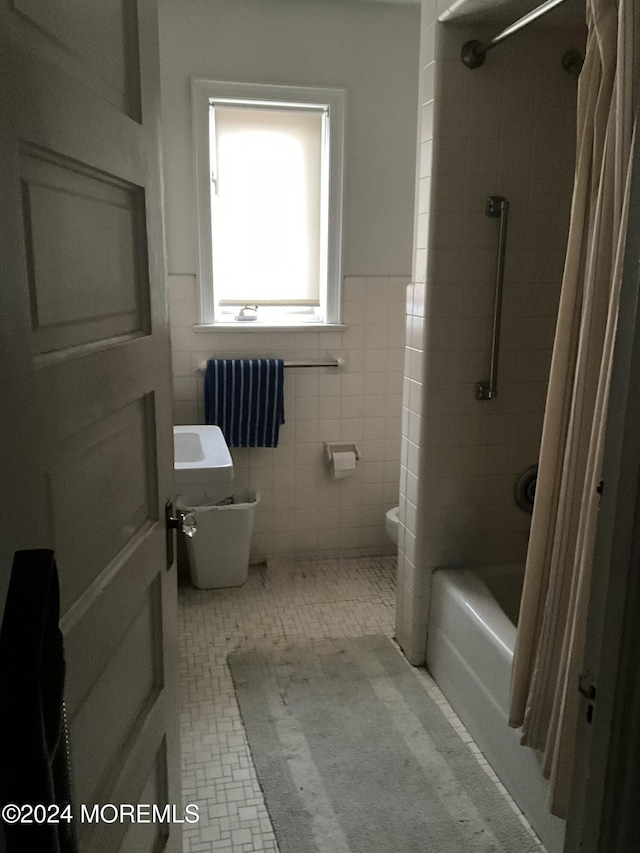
point(332, 362)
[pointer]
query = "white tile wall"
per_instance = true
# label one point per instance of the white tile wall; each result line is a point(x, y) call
point(504, 129)
point(304, 511)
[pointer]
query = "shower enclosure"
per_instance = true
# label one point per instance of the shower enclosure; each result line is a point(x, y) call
point(505, 129)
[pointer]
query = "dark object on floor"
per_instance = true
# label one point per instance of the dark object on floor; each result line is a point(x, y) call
point(353, 756)
point(34, 765)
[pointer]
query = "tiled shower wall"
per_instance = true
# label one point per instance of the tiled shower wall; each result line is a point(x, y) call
point(302, 509)
point(504, 129)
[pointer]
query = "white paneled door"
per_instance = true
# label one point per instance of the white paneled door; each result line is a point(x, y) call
point(85, 371)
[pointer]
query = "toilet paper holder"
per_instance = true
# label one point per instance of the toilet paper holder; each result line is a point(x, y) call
point(332, 447)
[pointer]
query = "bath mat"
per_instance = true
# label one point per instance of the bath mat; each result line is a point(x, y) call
point(353, 756)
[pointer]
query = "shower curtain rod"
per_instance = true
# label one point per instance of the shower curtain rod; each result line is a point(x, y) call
point(474, 52)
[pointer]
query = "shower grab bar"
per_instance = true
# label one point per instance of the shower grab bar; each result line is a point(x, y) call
point(474, 52)
point(497, 206)
point(333, 362)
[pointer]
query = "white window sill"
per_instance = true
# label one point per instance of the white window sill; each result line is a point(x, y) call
point(256, 326)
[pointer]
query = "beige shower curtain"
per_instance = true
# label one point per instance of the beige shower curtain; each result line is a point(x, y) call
point(551, 629)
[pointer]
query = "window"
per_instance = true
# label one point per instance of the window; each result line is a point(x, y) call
point(269, 190)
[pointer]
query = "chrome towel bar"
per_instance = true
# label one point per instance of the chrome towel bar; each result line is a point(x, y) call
point(497, 206)
point(330, 362)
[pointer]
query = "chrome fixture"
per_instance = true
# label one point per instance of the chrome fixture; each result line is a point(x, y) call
point(572, 63)
point(525, 491)
point(474, 52)
point(497, 206)
point(329, 362)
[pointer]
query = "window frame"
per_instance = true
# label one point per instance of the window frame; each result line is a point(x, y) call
point(203, 91)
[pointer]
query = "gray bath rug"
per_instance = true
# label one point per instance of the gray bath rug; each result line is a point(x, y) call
point(353, 756)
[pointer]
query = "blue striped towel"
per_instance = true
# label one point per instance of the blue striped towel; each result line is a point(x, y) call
point(244, 397)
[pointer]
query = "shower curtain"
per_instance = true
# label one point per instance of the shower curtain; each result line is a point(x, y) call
point(552, 625)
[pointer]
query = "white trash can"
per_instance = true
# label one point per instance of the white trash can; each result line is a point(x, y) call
point(219, 549)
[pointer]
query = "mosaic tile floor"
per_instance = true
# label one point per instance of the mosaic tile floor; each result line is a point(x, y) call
point(288, 600)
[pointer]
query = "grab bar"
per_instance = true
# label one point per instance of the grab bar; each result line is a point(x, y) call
point(497, 205)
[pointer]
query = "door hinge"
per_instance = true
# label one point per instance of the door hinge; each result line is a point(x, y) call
point(587, 689)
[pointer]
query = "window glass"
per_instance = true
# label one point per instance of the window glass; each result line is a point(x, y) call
point(269, 187)
point(267, 176)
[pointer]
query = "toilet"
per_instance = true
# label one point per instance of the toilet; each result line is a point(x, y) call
point(392, 524)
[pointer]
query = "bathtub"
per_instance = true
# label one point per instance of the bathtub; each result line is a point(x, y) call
point(472, 634)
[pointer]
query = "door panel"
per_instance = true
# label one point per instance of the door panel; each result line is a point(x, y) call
point(144, 837)
point(149, 754)
point(95, 624)
point(102, 37)
point(138, 663)
point(120, 372)
point(102, 488)
point(57, 110)
point(89, 341)
point(93, 287)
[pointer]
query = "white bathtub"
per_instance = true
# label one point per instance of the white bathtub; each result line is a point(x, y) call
point(472, 633)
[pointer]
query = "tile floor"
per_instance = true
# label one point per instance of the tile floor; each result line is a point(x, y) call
point(279, 603)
